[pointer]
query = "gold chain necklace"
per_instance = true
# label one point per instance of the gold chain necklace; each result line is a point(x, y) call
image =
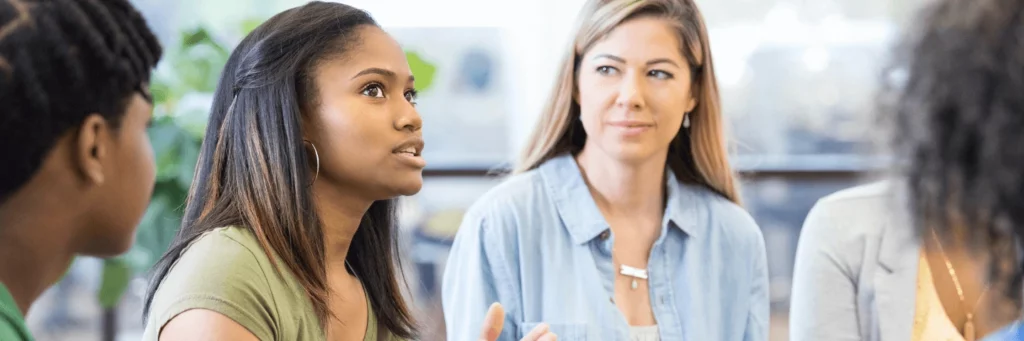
point(969, 332)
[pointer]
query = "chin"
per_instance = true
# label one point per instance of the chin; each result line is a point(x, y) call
point(630, 153)
point(409, 185)
point(110, 246)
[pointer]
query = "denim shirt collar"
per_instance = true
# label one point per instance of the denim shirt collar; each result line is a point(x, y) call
point(565, 184)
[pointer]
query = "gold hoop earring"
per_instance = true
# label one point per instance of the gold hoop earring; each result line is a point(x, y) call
point(316, 154)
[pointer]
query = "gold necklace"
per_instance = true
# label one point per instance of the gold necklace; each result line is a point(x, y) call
point(969, 332)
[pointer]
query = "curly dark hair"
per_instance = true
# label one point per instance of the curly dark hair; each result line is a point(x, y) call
point(958, 116)
point(60, 61)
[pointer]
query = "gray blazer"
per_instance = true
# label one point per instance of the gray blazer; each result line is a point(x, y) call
point(855, 276)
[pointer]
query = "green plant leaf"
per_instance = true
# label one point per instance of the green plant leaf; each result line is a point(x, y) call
point(159, 225)
point(250, 25)
point(422, 69)
point(161, 91)
point(163, 136)
point(189, 156)
point(117, 274)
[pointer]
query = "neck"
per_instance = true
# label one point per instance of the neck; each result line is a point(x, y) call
point(969, 266)
point(340, 215)
point(980, 295)
point(624, 189)
point(35, 245)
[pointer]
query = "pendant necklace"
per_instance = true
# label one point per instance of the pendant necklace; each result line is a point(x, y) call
point(635, 273)
point(969, 332)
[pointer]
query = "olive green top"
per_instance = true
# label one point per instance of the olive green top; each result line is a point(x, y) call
point(227, 271)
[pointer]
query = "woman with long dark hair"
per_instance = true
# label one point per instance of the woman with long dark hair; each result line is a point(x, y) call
point(290, 231)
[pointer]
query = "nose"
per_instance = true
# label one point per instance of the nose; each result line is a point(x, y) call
point(409, 119)
point(630, 93)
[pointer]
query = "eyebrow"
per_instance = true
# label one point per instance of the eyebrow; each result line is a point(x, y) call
point(650, 62)
point(382, 72)
point(608, 56)
point(662, 60)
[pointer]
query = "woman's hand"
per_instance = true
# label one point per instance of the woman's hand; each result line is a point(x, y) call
point(495, 321)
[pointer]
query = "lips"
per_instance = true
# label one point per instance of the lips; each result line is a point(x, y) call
point(409, 150)
point(631, 128)
point(631, 124)
point(412, 146)
point(408, 153)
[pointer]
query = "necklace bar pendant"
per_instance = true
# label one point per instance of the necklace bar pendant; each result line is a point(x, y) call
point(632, 272)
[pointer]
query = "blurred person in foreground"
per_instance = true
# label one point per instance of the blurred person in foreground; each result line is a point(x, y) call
point(934, 255)
point(78, 168)
point(623, 221)
point(290, 230)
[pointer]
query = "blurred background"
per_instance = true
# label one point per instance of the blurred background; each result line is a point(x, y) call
point(798, 81)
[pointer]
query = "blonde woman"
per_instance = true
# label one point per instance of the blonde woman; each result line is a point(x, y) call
point(622, 221)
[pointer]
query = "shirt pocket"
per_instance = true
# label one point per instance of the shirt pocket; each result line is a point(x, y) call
point(564, 331)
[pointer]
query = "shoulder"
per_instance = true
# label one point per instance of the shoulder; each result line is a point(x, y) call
point(731, 215)
point(513, 191)
point(220, 258)
point(847, 226)
point(226, 248)
point(515, 196)
point(517, 211)
point(234, 237)
point(868, 194)
point(725, 217)
point(224, 271)
point(853, 213)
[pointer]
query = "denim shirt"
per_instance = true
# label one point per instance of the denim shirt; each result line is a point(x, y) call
point(538, 244)
point(1013, 332)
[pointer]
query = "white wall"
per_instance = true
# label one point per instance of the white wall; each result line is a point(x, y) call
point(537, 27)
point(536, 32)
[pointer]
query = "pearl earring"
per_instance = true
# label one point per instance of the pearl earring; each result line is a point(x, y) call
point(686, 121)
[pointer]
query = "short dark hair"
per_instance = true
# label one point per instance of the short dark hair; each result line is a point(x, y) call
point(958, 111)
point(61, 60)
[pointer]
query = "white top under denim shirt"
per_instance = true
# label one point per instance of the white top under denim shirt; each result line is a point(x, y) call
point(537, 244)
